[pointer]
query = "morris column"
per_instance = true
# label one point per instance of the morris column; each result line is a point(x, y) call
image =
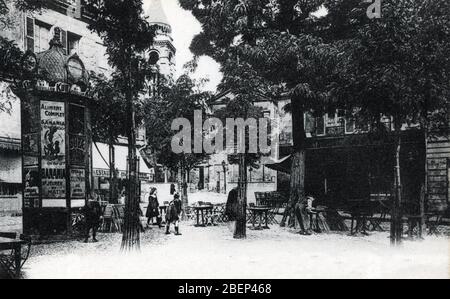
point(56, 143)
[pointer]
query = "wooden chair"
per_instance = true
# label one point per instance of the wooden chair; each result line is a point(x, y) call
point(8, 258)
point(119, 216)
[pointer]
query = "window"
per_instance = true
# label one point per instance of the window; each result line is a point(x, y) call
point(29, 38)
point(320, 126)
point(73, 43)
point(153, 58)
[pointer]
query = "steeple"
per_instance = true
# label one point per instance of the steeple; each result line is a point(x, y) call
point(156, 13)
point(162, 53)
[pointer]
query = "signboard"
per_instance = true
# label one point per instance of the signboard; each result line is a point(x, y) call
point(77, 184)
point(53, 149)
point(104, 173)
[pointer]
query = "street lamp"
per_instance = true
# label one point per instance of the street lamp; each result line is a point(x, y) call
point(224, 166)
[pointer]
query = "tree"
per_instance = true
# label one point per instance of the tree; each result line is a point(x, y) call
point(126, 34)
point(109, 121)
point(172, 102)
point(22, 5)
point(285, 46)
point(398, 66)
point(242, 107)
point(13, 64)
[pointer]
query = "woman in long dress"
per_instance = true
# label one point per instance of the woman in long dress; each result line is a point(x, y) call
point(153, 208)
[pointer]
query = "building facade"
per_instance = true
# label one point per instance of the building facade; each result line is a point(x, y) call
point(33, 32)
point(347, 162)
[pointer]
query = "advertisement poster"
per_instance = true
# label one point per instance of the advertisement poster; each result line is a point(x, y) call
point(77, 184)
point(53, 135)
point(77, 146)
point(53, 150)
point(53, 183)
point(31, 183)
point(30, 144)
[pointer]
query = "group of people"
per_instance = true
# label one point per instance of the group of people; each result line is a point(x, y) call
point(93, 213)
point(173, 213)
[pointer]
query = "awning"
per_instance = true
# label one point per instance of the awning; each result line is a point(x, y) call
point(10, 144)
point(101, 159)
point(283, 165)
point(11, 169)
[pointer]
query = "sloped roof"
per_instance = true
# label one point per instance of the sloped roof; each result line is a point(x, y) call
point(155, 12)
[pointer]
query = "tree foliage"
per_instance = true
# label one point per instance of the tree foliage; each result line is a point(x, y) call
point(398, 66)
point(179, 100)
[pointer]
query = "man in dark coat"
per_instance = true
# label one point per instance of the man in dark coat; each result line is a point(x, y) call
point(173, 215)
point(92, 213)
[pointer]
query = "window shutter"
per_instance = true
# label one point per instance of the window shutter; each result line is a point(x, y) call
point(64, 41)
point(29, 39)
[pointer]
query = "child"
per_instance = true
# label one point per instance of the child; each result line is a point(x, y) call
point(173, 215)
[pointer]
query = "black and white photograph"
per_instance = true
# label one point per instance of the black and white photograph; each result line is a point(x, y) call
point(217, 140)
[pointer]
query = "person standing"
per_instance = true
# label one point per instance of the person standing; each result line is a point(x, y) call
point(173, 215)
point(303, 206)
point(92, 213)
point(153, 208)
point(231, 208)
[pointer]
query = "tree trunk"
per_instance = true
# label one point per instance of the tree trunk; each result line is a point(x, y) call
point(298, 168)
point(241, 217)
point(112, 174)
point(132, 225)
point(184, 187)
point(396, 219)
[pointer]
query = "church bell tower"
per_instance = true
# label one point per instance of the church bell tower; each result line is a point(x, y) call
point(162, 54)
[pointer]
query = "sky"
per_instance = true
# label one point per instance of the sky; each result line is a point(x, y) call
point(185, 26)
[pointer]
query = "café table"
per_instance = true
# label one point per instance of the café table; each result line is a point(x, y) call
point(203, 210)
point(360, 221)
point(16, 246)
point(262, 212)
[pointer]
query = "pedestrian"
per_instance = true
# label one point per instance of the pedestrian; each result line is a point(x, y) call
point(231, 209)
point(173, 215)
point(122, 197)
point(153, 208)
point(304, 204)
point(92, 213)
